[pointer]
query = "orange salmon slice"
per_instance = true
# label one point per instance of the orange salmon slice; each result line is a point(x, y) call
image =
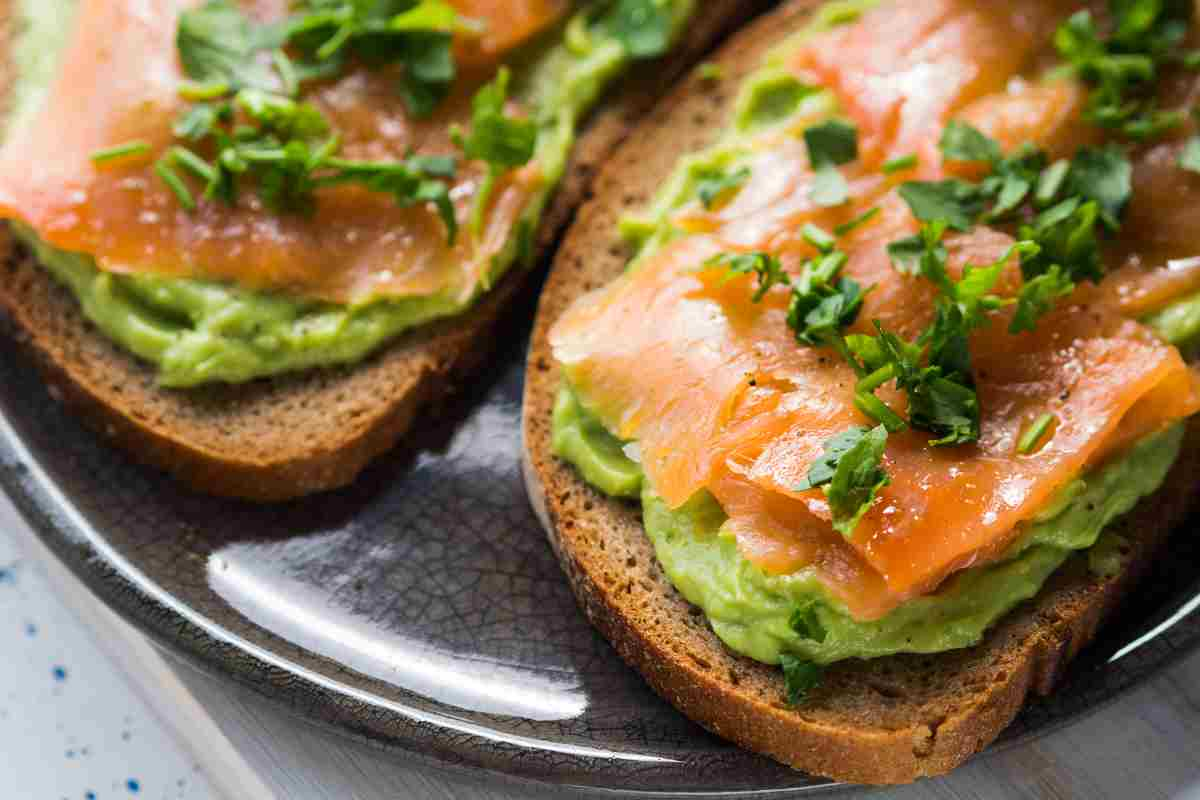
point(119, 82)
point(721, 398)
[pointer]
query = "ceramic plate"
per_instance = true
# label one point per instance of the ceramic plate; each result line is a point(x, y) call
point(422, 609)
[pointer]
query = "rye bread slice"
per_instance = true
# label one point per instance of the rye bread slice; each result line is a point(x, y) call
point(888, 720)
point(284, 437)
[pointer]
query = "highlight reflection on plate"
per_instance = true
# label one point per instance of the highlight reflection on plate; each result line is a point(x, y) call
point(267, 584)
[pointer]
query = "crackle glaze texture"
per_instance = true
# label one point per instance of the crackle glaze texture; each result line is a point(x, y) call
point(422, 609)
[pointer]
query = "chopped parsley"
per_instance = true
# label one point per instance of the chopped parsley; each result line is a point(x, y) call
point(1122, 63)
point(941, 395)
point(829, 187)
point(963, 142)
point(1061, 208)
point(218, 49)
point(849, 471)
point(500, 141)
point(830, 144)
point(716, 185)
point(286, 148)
point(643, 27)
point(246, 116)
point(1104, 175)
point(833, 142)
point(416, 34)
point(954, 201)
point(1038, 296)
point(1066, 236)
point(763, 265)
point(799, 677)
point(823, 304)
point(805, 623)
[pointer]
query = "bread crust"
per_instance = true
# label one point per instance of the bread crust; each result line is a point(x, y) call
point(292, 435)
point(882, 721)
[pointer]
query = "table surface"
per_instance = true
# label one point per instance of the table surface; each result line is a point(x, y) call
point(195, 737)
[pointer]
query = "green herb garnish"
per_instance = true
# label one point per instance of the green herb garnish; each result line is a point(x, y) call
point(830, 144)
point(502, 142)
point(643, 27)
point(763, 265)
point(850, 472)
point(900, 164)
point(957, 203)
point(120, 151)
point(1038, 296)
point(799, 677)
point(716, 185)
point(1034, 433)
point(416, 34)
point(218, 48)
point(1121, 67)
point(860, 220)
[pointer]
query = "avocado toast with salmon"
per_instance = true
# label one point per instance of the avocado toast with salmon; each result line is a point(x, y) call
point(253, 240)
point(851, 427)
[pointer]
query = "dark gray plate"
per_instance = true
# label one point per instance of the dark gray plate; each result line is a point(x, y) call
point(422, 609)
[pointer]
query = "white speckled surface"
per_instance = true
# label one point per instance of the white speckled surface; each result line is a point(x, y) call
point(71, 724)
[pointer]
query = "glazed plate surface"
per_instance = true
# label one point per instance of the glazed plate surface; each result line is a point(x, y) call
point(422, 608)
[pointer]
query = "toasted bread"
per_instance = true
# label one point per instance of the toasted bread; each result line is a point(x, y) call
point(887, 720)
point(293, 435)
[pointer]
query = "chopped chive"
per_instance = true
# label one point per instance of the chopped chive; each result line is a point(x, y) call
point(120, 151)
point(876, 379)
point(878, 410)
point(1035, 432)
point(818, 237)
point(193, 164)
point(861, 219)
point(900, 164)
point(195, 92)
point(287, 73)
point(171, 178)
point(708, 71)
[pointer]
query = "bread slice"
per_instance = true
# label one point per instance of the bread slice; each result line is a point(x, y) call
point(288, 436)
point(888, 720)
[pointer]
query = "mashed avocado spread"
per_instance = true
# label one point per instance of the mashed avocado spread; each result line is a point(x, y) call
point(764, 616)
point(201, 331)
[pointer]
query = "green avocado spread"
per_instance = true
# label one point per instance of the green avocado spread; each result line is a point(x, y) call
point(201, 331)
point(764, 616)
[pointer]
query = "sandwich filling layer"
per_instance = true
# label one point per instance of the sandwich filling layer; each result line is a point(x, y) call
point(234, 290)
point(692, 386)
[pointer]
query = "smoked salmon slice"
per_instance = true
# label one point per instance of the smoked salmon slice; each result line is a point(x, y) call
point(904, 67)
point(721, 398)
point(120, 82)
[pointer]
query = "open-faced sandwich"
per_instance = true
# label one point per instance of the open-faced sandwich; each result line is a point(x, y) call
point(883, 407)
point(257, 236)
